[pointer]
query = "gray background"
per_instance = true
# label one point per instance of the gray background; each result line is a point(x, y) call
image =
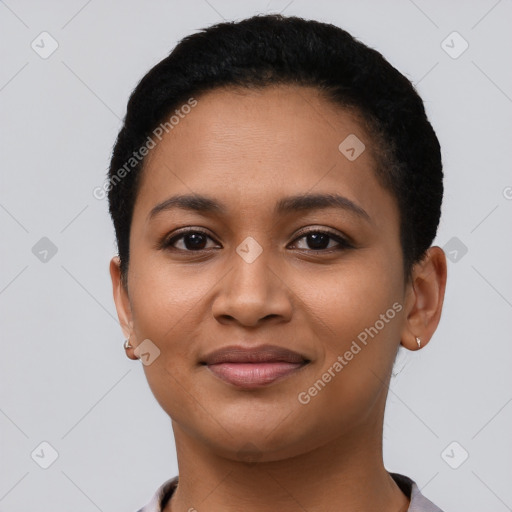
point(64, 376)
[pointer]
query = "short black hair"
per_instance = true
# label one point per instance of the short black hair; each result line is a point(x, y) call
point(272, 49)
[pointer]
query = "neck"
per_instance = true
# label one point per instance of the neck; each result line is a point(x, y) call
point(347, 471)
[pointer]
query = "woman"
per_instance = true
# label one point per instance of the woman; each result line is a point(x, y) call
point(275, 190)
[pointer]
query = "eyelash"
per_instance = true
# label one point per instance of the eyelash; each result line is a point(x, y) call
point(343, 243)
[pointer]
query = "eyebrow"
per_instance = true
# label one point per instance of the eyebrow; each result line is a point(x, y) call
point(302, 202)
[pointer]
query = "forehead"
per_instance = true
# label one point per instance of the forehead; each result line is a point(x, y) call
point(253, 146)
point(281, 121)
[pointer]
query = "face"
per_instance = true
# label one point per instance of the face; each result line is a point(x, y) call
point(256, 263)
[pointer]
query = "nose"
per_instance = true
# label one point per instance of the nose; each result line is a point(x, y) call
point(252, 293)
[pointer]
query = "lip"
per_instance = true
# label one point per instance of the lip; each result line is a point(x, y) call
point(254, 367)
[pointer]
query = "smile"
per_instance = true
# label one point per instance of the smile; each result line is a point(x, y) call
point(255, 367)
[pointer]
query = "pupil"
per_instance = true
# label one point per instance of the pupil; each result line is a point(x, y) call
point(315, 241)
point(194, 241)
point(318, 240)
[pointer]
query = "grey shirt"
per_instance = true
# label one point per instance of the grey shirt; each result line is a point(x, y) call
point(418, 502)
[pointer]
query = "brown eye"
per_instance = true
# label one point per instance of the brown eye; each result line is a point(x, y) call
point(320, 240)
point(191, 240)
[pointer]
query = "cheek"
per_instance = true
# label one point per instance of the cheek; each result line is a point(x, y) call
point(169, 308)
point(358, 314)
point(358, 349)
point(353, 297)
point(164, 297)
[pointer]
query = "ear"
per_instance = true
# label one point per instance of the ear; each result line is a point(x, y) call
point(424, 298)
point(122, 301)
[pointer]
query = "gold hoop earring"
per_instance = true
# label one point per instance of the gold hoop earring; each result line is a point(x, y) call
point(418, 341)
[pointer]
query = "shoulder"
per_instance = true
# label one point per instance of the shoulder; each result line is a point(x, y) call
point(161, 497)
point(418, 502)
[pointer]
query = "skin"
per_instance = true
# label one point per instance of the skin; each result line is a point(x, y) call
point(249, 149)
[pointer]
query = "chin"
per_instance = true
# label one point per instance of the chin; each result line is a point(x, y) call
point(257, 438)
point(255, 448)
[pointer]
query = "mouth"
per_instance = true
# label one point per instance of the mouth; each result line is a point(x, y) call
point(255, 367)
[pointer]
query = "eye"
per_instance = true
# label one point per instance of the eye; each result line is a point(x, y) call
point(319, 240)
point(195, 240)
point(191, 240)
